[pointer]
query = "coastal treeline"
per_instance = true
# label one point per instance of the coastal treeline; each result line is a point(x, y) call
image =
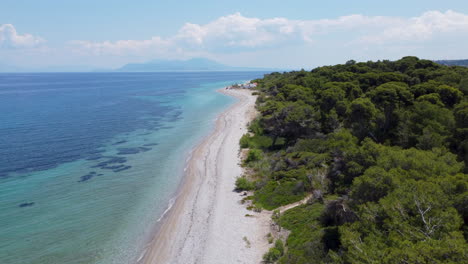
point(382, 147)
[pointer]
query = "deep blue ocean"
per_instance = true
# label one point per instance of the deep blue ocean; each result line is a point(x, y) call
point(90, 161)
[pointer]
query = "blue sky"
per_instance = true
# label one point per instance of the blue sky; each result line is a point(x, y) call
point(293, 34)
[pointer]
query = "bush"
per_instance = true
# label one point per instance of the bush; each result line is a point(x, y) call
point(255, 127)
point(306, 240)
point(254, 155)
point(275, 194)
point(275, 252)
point(242, 184)
point(261, 142)
point(279, 245)
point(272, 255)
point(256, 141)
point(244, 141)
point(270, 238)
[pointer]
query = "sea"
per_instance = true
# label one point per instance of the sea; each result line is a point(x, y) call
point(90, 162)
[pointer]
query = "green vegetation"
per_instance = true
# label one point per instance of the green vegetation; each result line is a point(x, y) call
point(242, 184)
point(247, 242)
point(274, 253)
point(305, 241)
point(383, 147)
point(256, 141)
point(253, 155)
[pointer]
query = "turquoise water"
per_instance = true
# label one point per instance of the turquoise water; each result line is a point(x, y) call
point(90, 161)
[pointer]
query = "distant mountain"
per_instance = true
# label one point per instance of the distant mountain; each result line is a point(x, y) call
point(453, 62)
point(196, 64)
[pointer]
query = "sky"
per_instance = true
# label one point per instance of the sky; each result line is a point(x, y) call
point(90, 34)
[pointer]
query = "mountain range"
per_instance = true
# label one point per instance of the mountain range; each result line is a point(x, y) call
point(195, 64)
point(453, 62)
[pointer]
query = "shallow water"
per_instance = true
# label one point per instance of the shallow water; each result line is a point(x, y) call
point(89, 161)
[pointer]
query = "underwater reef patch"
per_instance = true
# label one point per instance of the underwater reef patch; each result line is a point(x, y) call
point(26, 204)
point(87, 176)
point(129, 151)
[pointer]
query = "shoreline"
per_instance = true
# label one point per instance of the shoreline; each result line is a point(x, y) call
point(207, 223)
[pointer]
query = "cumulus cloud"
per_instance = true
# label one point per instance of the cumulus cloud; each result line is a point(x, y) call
point(122, 47)
point(234, 33)
point(237, 31)
point(9, 38)
point(421, 28)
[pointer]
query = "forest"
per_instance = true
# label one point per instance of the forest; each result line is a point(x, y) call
point(383, 149)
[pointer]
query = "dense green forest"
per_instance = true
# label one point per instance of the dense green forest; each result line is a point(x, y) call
point(383, 148)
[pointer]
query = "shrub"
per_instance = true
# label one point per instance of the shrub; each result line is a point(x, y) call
point(270, 238)
point(261, 142)
point(242, 184)
point(257, 208)
point(255, 127)
point(254, 155)
point(244, 141)
point(247, 242)
point(275, 252)
point(272, 255)
point(275, 194)
point(256, 141)
point(279, 245)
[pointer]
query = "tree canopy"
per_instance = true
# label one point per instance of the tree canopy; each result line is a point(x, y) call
point(383, 146)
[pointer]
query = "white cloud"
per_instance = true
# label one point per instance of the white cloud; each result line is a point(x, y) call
point(9, 38)
point(237, 31)
point(122, 47)
point(425, 27)
point(234, 33)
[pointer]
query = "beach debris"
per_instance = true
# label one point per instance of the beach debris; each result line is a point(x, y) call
point(247, 242)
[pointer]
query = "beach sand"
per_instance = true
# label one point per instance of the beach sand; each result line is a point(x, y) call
point(207, 223)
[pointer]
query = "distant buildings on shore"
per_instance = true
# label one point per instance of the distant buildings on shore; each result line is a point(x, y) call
point(247, 85)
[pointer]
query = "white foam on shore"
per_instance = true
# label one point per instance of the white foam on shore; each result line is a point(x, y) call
point(142, 255)
point(171, 203)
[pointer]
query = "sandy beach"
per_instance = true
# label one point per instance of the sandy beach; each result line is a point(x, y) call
point(207, 223)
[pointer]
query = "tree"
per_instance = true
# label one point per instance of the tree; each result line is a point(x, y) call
point(418, 211)
point(449, 95)
point(421, 123)
point(461, 142)
point(388, 97)
point(433, 98)
point(425, 88)
point(406, 63)
point(463, 86)
point(413, 224)
point(387, 161)
point(292, 121)
point(330, 97)
point(375, 184)
point(362, 114)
